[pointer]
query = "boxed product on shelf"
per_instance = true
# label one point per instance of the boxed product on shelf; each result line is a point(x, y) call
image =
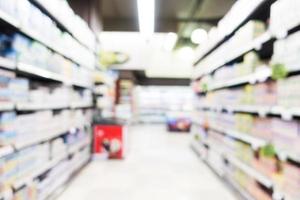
point(245, 36)
point(291, 180)
point(261, 128)
point(284, 139)
point(250, 31)
point(286, 52)
point(6, 94)
point(287, 97)
point(8, 172)
point(27, 192)
point(7, 131)
point(30, 159)
point(32, 18)
point(58, 147)
point(266, 161)
point(284, 16)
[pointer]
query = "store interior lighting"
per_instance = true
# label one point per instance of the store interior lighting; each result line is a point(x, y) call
point(199, 36)
point(146, 10)
point(186, 53)
point(170, 41)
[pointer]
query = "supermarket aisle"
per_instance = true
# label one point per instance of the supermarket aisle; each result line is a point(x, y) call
point(160, 166)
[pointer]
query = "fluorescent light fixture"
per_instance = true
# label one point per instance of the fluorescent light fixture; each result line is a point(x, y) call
point(199, 36)
point(170, 41)
point(146, 12)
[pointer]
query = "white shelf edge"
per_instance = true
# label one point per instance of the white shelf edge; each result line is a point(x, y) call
point(242, 191)
point(34, 106)
point(44, 73)
point(7, 18)
point(24, 181)
point(75, 105)
point(6, 150)
point(80, 145)
point(41, 4)
point(255, 142)
point(7, 63)
point(229, 32)
point(15, 23)
point(250, 171)
point(259, 41)
point(6, 106)
point(285, 112)
point(257, 76)
point(27, 68)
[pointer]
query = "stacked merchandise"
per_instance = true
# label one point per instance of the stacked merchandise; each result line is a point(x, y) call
point(157, 103)
point(105, 93)
point(247, 113)
point(47, 60)
point(124, 108)
point(31, 18)
point(38, 153)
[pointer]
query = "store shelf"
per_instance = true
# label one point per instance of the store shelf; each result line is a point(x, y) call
point(24, 144)
point(239, 189)
point(83, 104)
point(260, 76)
point(8, 19)
point(59, 21)
point(222, 39)
point(7, 195)
point(27, 180)
point(256, 44)
point(61, 187)
point(75, 148)
point(46, 74)
point(35, 36)
point(37, 71)
point(283, 112)
point(40, 106)
point(7, 63)
point(253, 141)
point(250, 171)
point(6, 106)
point(6, 150)
point(226, 180)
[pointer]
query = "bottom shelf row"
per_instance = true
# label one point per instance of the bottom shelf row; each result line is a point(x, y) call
point(36, 172)
point(249, 181)
point(247, 186)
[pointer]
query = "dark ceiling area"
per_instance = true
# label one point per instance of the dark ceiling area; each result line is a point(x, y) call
point(171, 15)
point(181, 16)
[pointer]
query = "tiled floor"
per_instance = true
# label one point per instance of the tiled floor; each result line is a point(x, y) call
point(159, 166)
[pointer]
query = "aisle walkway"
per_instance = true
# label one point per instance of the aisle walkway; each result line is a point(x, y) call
point(160, 166)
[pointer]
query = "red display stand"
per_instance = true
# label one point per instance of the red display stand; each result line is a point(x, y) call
point(109, 140)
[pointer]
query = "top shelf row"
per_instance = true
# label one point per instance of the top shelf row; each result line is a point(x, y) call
point(239, 14)
point(267, 22)
point(64, 16)
point(38, 24)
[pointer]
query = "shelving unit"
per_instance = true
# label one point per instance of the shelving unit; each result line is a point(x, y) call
point(231, 113)
point(63, 154)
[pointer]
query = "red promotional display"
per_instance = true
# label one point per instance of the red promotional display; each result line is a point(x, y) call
point(109, 140)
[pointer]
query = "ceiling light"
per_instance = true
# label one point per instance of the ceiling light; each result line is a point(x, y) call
point(146, 16)
point(199, 36)
point(170, 41)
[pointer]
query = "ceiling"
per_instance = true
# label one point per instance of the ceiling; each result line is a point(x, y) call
point(118, 22)
point(171, 15)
